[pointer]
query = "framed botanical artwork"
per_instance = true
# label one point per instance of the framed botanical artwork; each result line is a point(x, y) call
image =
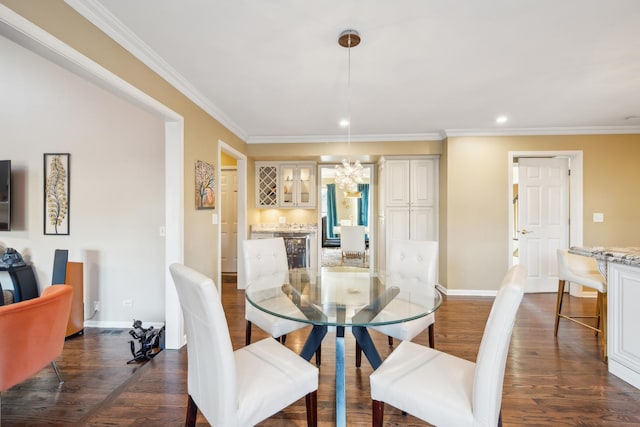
point(205, 185)
point(56, 193)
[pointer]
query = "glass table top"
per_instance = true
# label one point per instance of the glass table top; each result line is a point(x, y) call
point(343, 297)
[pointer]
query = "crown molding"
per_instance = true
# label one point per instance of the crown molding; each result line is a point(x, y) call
point(594, 130)
point(343, 138)
point(99, 16)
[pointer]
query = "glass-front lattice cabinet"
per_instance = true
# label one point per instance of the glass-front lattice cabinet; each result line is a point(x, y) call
point(285, 184)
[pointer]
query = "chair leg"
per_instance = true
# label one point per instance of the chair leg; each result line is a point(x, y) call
point(192, 413)
point(559, 305)
point(54, 365)
point(598, 312)
point(390, 340)
point(432, 339)
point(377, 413)
point(603, 329)
point(312, 408)
point(358, 355)
point(319, 355)
point(247, 334)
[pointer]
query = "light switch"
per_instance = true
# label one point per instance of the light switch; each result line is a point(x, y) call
point(214, 219)
point(598, 217)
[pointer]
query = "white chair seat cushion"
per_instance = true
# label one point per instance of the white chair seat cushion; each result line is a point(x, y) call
point(269, 378)
point(445, 384)
point(404, 331)
point(276, 326)
point(580, 270)
point(593, 280)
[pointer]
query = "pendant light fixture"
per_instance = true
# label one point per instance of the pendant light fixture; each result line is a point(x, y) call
point(349, 175)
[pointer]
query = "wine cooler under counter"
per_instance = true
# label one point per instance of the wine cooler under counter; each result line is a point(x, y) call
point(299, 243)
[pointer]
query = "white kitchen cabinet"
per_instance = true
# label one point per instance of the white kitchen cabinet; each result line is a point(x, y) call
point(267, 185)
point(285, 185)
point(408, 201)
point(623, 318)
point(297, 189)
point(411, 198)
point(411, 182)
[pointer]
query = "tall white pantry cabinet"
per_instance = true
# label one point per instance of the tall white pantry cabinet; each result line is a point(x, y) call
point(408, 201)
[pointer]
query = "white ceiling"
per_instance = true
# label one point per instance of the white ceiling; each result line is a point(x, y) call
point(272, 70)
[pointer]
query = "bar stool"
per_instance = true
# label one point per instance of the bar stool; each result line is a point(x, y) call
point(583, 270)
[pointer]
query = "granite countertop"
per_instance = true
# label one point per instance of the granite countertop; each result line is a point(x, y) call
point(284, 228)
point(629, 255)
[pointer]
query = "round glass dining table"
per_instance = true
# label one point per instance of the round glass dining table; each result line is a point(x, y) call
point(343, 297)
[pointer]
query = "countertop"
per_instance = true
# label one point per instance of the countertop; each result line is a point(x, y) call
point(628, 256)
point(284, 228)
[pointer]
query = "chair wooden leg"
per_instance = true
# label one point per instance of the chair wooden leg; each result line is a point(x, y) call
point(432, 339)
point(377, 413)
point(390, 340)
point(603, 329)
point(559, 305)
point(598, 312)
point(358, 355)
point(192, 413)
point(319, 355)
point(247, 334)
point(312, 408)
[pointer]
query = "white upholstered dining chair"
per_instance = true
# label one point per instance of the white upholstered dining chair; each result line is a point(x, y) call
point(242, 387)
point(445, 390)
point(265, 263)
point(352, 242)
point(414, 263)
point(582, 270)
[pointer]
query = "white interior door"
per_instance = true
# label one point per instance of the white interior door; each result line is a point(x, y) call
point(543, 218)
point(228, 220)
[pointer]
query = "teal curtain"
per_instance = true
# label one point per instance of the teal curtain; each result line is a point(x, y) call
point(332, 214)
point(363, 205)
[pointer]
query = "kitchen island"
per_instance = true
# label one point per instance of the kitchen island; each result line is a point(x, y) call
point(621, 269)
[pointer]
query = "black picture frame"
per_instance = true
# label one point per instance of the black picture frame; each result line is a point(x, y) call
point(57, 195)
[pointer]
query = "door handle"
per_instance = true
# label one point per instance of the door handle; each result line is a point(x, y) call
point(525, 231)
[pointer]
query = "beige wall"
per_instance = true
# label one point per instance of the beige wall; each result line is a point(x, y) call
point(227, 160)
point(201, 132)
point(474, 184)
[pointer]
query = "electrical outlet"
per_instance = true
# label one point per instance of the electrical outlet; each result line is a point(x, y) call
point(96, 306)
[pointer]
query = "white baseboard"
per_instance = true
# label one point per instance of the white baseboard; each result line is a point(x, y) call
point(106, 324)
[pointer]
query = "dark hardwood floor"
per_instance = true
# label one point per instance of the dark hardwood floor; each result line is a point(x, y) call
point(548, 381)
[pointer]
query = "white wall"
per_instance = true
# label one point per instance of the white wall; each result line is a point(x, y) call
point(117, 184)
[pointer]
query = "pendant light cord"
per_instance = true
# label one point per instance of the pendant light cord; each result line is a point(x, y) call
point(349, 100)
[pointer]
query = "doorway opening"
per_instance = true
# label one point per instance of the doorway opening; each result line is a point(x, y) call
point(335, 209)
point(232, 220)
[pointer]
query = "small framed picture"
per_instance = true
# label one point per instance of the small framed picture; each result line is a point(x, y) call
point(56, 193)
point(205, 185)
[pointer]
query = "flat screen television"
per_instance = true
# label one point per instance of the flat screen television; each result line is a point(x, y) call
point(5, 195)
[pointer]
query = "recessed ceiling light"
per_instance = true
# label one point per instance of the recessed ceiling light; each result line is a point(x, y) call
point(501, 119)
point(344, 123)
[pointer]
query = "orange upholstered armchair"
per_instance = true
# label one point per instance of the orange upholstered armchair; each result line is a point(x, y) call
point(33, 333)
